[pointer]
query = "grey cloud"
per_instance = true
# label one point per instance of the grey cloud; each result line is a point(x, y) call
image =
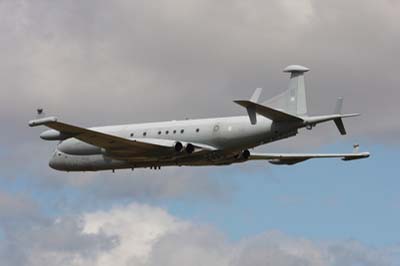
point(65, 235)
point(169, 184)
point(132, 60)
point(199, 246)
point(58, 242)
point(194, 245)
point(102, 62)
point(28, 237)
point(17, 210)
point(143, 235)
point(105, 62)
point(146, 184)
point(45, 241)
point(340, 254)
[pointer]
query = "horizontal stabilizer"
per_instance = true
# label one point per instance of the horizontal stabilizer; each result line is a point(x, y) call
point(270, 113)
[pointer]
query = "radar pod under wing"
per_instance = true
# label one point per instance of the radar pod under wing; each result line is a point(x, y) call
point(293, 158)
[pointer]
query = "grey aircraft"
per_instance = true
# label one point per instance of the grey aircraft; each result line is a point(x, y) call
point(195, 142)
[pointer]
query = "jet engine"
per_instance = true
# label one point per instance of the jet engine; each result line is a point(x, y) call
point(245, 154)
point(178, 146)
point(189, 148)
point(242, 156)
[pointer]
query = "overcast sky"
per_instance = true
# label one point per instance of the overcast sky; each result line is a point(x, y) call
point(111, 62)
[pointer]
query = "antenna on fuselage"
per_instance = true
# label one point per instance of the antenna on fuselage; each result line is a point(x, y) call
point(40, 112)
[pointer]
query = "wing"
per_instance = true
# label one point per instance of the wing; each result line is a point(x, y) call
point(293, 158)
point(111, 143)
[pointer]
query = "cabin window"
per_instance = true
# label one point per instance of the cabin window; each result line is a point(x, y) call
point(197, 129)
point(159, 132)
point(166, 132)
point(132, 134)
point(174, 131)
point(182, 131)
point(144, 134)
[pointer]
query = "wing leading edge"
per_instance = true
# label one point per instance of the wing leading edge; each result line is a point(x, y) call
point(93, 137)
point(112, 143)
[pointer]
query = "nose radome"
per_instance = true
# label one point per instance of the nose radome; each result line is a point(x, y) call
point(53, 163)
point(56, 161)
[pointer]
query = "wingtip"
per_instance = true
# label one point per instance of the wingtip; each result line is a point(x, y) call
point(350, 115)
point(42, 121)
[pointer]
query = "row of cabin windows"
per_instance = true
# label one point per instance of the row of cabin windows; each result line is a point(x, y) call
point(166, 132)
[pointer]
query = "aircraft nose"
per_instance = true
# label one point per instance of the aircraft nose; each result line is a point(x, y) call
point(55, 162)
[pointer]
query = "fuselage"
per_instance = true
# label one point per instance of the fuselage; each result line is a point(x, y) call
point(230, 136)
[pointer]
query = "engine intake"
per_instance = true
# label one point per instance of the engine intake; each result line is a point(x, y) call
point(189, 148)
point(246, 154)
point(178, 146)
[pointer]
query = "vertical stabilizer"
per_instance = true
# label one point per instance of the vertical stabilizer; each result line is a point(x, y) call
point(293, 100)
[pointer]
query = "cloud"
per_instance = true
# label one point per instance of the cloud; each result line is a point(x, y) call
point(60, 242)
point(129, 61)
point(138, 234)
point(170, 183)
point(17, 210)
point(102, 62)
point(110, 62)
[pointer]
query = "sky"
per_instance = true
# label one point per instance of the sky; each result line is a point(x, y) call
point(103, 62)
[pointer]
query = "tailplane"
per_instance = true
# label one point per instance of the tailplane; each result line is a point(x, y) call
point(293, 100)
point(291, 105)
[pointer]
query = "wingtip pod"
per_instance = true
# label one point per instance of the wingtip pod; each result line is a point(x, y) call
point(357, 156)
point(42, 121)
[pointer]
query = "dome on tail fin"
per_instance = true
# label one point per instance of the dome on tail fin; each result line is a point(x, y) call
point(296, 68)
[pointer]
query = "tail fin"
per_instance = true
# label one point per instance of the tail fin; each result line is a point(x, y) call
point(293, 100)
point(338, 106)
